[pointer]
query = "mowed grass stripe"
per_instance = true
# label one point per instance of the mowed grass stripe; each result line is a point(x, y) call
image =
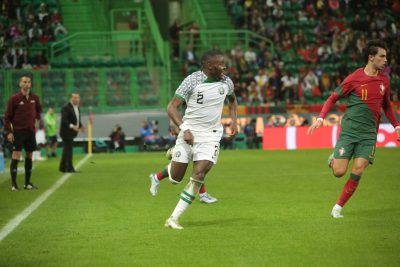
point(273, 210)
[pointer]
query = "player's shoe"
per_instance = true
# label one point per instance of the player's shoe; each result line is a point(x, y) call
point(173, 224)
point(336, 212)
point(169, 153)
point(154, 184)
point(330, 160)
point(30, 186)
point(207, 198)
point(14, 188)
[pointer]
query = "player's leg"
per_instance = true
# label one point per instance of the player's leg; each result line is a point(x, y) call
point(205, 155)
point(15, 158)
point(339, 160)
point(200, 168)
point(155, 179)
point(30, 146)
point(363, 156)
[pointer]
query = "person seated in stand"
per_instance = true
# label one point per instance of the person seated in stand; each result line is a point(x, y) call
point(149, 135)
point(117, 139)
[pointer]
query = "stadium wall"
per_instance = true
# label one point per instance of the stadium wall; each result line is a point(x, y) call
point(291, 138)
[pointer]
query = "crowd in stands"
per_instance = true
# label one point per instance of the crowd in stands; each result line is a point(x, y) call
point(26, 29)
point(317, 44)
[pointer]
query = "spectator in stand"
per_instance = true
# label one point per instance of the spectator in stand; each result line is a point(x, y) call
point(174, 32)
point(117, 139)
point(40, 60)
point(254, 94)
point(310, 84)
point(189, 58)
point(149, 136)
point(23, 60)
point(252, 139)
point(9, 59)
point(324, 53)
point(250, 56)
point(34, 33)
point(43, 15)
point(289, 87)
point(59, 29)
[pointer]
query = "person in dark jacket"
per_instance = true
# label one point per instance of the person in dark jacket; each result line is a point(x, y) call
point(71, 124)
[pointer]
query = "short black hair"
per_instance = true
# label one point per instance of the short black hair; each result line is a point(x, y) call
point(372, 47)
point(209, 55)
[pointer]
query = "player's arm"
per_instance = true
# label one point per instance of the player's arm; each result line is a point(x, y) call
point(343, 90)
point(387, 108)
point(175, 116)
point(232, 102)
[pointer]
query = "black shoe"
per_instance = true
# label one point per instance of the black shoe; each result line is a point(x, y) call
point(30, 186)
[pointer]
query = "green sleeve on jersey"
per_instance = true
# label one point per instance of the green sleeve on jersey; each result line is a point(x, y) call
point(339, 90)
point(180, 97)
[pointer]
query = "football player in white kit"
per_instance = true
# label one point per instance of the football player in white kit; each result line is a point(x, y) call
point(204, 92)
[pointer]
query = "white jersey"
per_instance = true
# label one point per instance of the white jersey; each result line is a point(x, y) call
point(205, 100)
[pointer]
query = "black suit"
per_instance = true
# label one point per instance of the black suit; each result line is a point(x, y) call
point(68, 134)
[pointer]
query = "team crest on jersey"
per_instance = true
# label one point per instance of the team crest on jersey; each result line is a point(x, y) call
point(177, 154)
point(342, 151)
point(32, 101)
point(382, 87)
point(21, 103)
point(221, 90)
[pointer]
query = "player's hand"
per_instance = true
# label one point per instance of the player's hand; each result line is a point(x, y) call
point(10, 137)
point(188, 137)
point(82, 129)
point(315, 125)
point(75, 128)
point(234, 131)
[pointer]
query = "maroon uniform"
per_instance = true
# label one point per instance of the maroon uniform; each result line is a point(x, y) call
point(22, 112)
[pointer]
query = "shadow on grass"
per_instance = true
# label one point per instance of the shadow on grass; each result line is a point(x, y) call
point(224, 222)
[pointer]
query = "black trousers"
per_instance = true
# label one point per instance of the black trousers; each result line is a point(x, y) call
point(66, 158)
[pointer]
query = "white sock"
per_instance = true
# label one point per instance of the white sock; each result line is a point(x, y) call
point(186, 197)
point(179, 209)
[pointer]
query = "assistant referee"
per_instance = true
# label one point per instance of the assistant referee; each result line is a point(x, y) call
point(23, 110)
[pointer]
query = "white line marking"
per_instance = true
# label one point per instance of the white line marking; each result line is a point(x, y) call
point(11, 225)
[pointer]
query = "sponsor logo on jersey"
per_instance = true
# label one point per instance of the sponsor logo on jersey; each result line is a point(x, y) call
point(382, 87)
point(221, 90)
point(342, 151)
point(21, 103)
point(177, 154)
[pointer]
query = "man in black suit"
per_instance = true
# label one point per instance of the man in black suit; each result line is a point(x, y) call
point(71, 124)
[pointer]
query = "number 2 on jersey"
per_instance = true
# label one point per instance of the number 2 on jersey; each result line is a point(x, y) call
point(200, 97)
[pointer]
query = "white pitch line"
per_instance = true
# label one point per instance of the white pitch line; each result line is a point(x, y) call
point(11, 225)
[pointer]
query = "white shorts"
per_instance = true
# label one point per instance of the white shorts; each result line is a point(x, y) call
point(184, 153)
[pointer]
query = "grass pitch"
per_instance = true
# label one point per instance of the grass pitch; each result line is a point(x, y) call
point(273, 209)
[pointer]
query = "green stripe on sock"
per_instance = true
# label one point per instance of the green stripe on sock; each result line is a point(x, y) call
point(164, 173)
point(189, 195)
point(186, 200)
point(355, 177)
